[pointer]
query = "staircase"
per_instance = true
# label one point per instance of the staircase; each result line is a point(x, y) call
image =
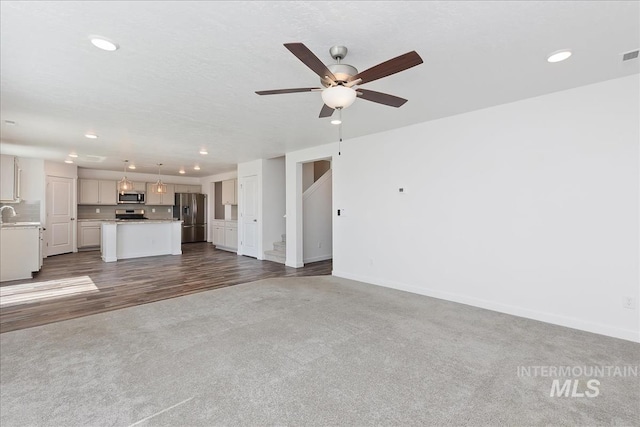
point(279, 252)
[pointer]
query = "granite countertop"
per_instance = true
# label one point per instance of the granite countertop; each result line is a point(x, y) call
point(142, 221)
point(20, 224)
point(127, 220)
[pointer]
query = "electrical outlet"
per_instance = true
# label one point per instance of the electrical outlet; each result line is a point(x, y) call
point(169, 210)
point(319, 244)
point(629, 302)
point(97, 210)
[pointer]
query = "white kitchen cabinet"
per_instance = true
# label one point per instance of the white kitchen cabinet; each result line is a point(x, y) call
point(229, 192)
point(140, 187)
point(89, 233)
point(9, 179)
point(183, 188)
point(20, 253)
point(152, 198)
point(231, 237)
point(225, 234)
point(218, 232)
point(97, 192)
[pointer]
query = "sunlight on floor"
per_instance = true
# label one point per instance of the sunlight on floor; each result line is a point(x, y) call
point(34, 292)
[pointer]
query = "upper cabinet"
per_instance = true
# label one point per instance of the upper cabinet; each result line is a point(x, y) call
point(97, 192)
point(9, 179)
point(229, 192)
point(140, 187)
point(153, 198)
point(183, 188)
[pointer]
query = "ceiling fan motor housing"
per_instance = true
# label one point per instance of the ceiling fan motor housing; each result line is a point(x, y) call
point(342, 72)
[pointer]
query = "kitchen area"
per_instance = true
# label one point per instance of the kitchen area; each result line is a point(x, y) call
point(103, 218)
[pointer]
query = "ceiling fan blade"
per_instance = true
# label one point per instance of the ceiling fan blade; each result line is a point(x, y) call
point(380, 98)
point(279, 91)
point(326, 111)
point(387, 68)
point(310, 60)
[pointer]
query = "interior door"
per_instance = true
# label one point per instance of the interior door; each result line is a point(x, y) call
point(60, 219)
point(249, 193)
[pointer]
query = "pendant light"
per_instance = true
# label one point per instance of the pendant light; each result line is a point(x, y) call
point(125, 185)
point(160, 187)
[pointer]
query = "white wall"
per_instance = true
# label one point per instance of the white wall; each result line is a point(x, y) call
point(317, 223)
point(528, 208)
point(273, 202)
point(307, 175)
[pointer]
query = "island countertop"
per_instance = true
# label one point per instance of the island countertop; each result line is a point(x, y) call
point(122, 239)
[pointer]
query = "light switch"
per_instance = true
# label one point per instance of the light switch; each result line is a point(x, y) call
point(169, 210)
point(153, 210)
point(97, 210)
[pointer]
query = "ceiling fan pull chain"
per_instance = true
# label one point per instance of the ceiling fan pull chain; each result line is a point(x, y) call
point(340, 136)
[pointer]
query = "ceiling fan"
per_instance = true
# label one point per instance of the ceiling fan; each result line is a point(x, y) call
point(340, 80)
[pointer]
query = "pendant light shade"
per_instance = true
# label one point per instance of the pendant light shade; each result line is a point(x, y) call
point(124, 184)
point(160, 187)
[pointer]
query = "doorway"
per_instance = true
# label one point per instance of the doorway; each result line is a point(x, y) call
point(60, 215)
point(317, 210)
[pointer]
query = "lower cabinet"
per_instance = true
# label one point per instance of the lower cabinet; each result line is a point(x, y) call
point(89, 234)
point(225, 234)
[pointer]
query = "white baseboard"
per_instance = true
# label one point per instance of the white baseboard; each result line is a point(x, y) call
point(317, 258)
point(569, 322)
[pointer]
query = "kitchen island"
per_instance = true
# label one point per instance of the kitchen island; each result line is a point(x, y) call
point(140, 238)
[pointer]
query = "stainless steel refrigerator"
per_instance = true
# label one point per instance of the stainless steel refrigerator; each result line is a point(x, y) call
point(192, 210)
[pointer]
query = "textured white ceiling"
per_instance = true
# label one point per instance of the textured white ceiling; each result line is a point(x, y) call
point(185, 74)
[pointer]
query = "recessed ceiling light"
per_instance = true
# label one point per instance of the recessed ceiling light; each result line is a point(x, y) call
point(196, 167)
point(132, 166)
point(204, 151)
point(91, 135)
point(559, 55)
point(182, 171)
point(68, 161)
point(74, 155)
point(104, 44)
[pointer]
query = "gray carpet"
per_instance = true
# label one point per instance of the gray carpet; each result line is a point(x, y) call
point(306, 352)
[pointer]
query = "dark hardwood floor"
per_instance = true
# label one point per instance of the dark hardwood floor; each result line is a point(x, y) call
point(126, 283)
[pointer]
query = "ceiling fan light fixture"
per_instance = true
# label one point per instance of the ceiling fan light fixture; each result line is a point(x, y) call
point(337, 120)
point(338, 96)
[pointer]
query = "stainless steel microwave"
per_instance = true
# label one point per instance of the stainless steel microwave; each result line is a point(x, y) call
point(130, 198)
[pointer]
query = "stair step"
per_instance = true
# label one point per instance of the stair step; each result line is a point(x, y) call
point(280, 246)
point(275, 256)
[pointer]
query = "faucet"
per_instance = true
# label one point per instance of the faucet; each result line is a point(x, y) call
point(13, 211)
